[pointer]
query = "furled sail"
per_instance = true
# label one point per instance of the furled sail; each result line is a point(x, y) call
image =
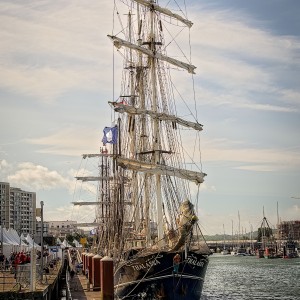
point(84, 156)
point(87, 224)
point(132, 164)
point(186, 221)
point(120, 42)
point(93, 178)
point(165, 11)
point(80, 203)
point(160, 116)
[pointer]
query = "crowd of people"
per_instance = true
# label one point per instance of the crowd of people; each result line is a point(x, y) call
point(4, 262)
point(19, 258)
point(73, 255)
point(15, 259)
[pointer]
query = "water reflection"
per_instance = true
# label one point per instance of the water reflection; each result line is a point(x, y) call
point(250, 278)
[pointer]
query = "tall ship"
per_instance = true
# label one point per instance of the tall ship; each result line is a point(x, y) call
point(149, 166)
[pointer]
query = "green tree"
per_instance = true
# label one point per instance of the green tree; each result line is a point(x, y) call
point(264, 232)
point(70, 239)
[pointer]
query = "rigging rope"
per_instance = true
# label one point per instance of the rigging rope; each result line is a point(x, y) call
point(113, 58)
point(75, 188)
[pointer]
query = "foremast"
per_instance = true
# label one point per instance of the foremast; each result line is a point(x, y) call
point(108, 224)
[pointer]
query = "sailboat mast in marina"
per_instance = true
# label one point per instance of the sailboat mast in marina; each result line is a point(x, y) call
point(148, 179)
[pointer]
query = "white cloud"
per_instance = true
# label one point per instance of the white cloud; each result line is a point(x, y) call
point(52, 49)
point(46, 83)
point(290, 213)
point(296, 208)
point(229, 31)
point(258, 168)
point(3, 164)
point(291, 96)
point(37, 177)
point(255, 159)
point(72, 141)
point(248, 65)
point(5, 168)
point(48, 52)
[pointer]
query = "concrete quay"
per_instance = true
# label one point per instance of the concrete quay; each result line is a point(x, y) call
point(81, 289)
point(85, 277)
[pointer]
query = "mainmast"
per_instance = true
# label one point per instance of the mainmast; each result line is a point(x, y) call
point(156, 133)
point(150, 149)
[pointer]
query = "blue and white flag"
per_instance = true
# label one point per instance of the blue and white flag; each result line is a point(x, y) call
point(110, 135)
point(93, 231)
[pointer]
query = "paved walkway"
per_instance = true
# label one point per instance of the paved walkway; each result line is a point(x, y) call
point(81, 290)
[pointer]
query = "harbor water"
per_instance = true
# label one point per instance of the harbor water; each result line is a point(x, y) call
point(251, 278)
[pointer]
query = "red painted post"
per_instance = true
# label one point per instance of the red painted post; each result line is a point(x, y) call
point(83, 255)
point(107, 278)
point(86, 271)
point(90, 258)
point(96, 272)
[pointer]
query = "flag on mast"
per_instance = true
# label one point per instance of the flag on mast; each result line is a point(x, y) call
point(110, 135)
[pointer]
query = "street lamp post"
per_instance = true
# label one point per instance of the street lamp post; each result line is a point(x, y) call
point(2, 252)
point(2, 222)
point(42, 241)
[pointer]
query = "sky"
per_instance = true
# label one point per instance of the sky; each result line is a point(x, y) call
point(56, 78)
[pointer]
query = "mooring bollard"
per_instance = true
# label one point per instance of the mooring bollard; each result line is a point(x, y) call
point(90, 267)
point(107, 278)
point(96, 272)
point(83, 255)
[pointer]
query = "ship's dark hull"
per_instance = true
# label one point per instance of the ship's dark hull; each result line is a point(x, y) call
point(152, 277)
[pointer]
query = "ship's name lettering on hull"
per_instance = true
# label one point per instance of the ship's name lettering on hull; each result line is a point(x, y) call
point(195, 262)
point(146, 265)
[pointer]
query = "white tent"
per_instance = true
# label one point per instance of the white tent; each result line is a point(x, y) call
point(16, 237)
point(32, 243)
point(8, 238)
point(9, 242)
point(65, 244)
point(77, 244)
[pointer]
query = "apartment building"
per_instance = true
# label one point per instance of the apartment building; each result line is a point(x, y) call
point(289, 229)
point(18, 209)
point(61, 229)
point(4, 203)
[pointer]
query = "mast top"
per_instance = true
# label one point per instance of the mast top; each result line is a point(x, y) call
point(164, 11)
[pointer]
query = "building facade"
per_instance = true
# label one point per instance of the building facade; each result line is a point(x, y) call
point(60, 229)
point(289, 230)
point(4, 204)
point(18, 209)
point(38, 233)
point(39, 228)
